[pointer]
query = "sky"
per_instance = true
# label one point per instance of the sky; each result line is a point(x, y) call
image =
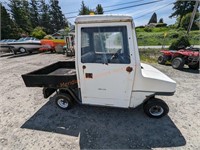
point(140, 14)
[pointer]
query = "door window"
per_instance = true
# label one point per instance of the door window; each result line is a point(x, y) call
point(105, 45)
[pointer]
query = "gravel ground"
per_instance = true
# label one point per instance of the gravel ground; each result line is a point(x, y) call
point(28, 121)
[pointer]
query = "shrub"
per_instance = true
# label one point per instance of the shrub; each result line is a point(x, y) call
point(161, 25)
point(38, 33)
point(180, 29)
point(50, 37)
point(147, 29)
point(172, 26)
point(174, 35)
point(183, 41)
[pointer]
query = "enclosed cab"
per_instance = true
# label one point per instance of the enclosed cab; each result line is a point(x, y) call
point(108, 68)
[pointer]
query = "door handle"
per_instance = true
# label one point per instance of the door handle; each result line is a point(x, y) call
point(129, 69)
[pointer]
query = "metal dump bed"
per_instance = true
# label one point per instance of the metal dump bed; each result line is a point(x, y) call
point(58, 75)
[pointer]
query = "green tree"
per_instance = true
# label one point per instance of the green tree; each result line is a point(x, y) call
point(58, 20)
point(8, 27)
point(34, 13)
point(99, 9)
point(181, 8)
point(44, 16)
point(38, 32)
point(186, 21)
point(84, 9)
point(21, 14)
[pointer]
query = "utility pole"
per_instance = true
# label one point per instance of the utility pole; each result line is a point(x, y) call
point(192, 17)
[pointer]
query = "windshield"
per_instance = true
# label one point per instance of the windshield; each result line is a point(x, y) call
point(21, 39)
point(105, 45)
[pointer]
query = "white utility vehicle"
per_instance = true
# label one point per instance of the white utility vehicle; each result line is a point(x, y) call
point(106, 71)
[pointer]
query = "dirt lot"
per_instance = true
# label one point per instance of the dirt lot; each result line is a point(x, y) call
point(28, 121)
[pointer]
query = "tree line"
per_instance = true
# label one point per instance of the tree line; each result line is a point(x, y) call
point(24, 17)
point(35, 18)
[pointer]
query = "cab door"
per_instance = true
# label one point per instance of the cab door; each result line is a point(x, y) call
point(106, 67)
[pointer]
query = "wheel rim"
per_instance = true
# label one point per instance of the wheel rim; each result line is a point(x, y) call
point(22, 50)
point(156, 110)
point(176, 63)
point(63, 103)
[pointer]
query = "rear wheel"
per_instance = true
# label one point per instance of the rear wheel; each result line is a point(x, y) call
point(178, 63)
point(195, 66)
point(22, 50)
point(155, 108)
point(161, 60)
point(64, 101)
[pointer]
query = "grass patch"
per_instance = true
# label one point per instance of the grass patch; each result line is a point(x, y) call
point(156, 36)
point(149, 55)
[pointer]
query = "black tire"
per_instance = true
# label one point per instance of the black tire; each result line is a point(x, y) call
point(64, 101)
point(155, 108)
point(22, 50)
point(195, 67)
point(178, 63)
point(161, 60)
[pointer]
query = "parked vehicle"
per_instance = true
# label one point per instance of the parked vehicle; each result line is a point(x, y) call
point(70, 45)
point(106, 71)
point(25, 45)
point(50, 45)
point(4, 47)
point(188, 56)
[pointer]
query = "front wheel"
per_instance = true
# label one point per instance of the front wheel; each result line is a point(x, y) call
point(178, 63)
point(156, 108)
point(161, 60)
point(64, 101)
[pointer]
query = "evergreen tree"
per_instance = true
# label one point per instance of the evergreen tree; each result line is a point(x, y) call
point(99, 9)
point(161, 20)
point(8, 28)
point(26, 16)
point(153, 18)
point(34, 13)
point(20, 12)
point(84, 9)
point(57, 18)
point(44, 18)
point(181, 8)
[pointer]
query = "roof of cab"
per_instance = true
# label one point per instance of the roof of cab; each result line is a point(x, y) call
point(102, 19)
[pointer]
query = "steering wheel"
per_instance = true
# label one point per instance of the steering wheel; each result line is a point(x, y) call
point(117, 56)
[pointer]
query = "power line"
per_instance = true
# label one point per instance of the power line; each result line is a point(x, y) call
point(153, 11)
point(126, 7)
point(73, 12)
point(134, 6)
point(123, 3)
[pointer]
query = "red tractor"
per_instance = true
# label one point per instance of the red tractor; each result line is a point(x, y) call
point(188, 56)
